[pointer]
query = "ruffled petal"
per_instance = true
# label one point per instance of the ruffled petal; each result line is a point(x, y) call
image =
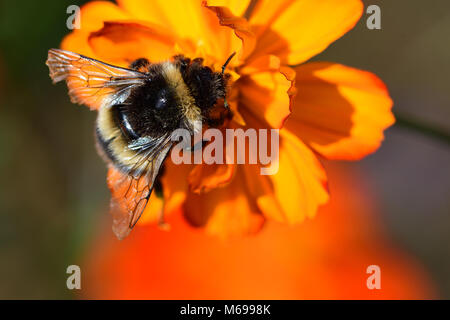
point(259, 185)
point(261, 189)
point(175, 188)
point(175, 185)
point(154, 11)
point(237, 7)
point(124, 42)
point(266, 63)
point(296, 30)
point(225, 212)
point(205, 177)
point(77, 41)
point(241, 29)
point(92, 15)
point(214, 171)
point(300, 184)
point(266, 90)
point(340, 111)
point(187, 20)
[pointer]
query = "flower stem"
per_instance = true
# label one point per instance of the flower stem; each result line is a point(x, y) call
point(423, 128)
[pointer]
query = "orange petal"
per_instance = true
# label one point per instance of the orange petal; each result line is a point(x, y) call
point(298, 30)
point(214, 171)
point(241, 29)
point(296, 189)
point(237, 7)
point(153, 210)
point(205, 177)
point(77, 41)
point(339, 111)
point(187, 20)
point(265, 63)
point(124, 42)
point(92, 16)
point(266, 90)
point(260, 186)
point(261, 189)
point(152, 11)
point(237, 117)
point(225, 212)
point(300, 184)
point(175, 185)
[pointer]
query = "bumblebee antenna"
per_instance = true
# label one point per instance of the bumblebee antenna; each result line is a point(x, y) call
point(227, 62)
point(225, 102)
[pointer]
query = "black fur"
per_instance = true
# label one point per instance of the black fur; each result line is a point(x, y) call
point(206, 86)
point(151, 110)
point(140, 64)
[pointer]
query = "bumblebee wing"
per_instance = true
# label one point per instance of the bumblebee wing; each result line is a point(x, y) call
point(131, 190)
point(92, 82)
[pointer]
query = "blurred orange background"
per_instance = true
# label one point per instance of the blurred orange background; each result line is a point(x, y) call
point(323, 258)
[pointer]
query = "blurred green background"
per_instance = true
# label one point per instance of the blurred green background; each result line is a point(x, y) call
point(53, 189)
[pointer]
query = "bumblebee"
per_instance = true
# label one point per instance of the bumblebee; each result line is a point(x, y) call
point(139, 108)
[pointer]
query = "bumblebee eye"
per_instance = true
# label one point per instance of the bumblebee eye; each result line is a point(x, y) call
point(161, 101)
point(124, 124)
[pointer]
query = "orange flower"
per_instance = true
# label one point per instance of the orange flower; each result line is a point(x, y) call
point(324, 258)
point(321, 108)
